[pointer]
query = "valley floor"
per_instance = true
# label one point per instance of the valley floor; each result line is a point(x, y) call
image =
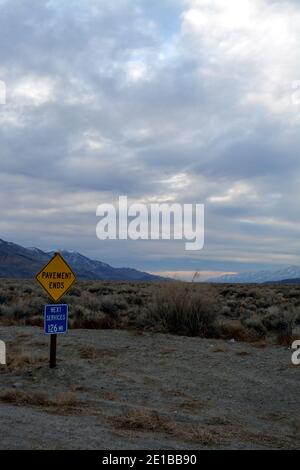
point(122, 390)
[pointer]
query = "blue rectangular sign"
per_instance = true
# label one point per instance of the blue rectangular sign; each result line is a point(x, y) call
point(55, 319)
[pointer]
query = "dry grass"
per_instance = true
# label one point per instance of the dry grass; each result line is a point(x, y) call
point(167, 351)
point(191, 405)
point(142, 420)
point(220, 350)
point(216, 431)
point(218, 421)
point(296, 427)
point(18, 362)
point(62, 403)
point(261, 439)
point(22, 335)
point(197, 434)
point(274, 417)
point(21, 397)
point(243, 353)
point(262, 344)
point(96, 353)
point(150, 421)
point(237, 332)
point(180, 308)
point(284, 339)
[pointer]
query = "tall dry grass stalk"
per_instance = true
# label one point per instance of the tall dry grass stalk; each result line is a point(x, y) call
point(179, 308)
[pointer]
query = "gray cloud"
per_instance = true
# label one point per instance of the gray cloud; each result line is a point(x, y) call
point(127, 98)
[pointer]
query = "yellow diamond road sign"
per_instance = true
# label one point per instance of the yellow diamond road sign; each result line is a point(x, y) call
point(56, 277)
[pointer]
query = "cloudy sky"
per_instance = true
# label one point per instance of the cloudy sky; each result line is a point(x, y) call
point(189, 101)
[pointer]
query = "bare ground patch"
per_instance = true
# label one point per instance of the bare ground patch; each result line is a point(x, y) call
point(112, 389)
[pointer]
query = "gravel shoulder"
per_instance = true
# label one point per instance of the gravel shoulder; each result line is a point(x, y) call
point(121, 390)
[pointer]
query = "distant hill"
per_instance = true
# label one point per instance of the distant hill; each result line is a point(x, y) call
point(289, 275)
point(286, 281)
point(23, 263)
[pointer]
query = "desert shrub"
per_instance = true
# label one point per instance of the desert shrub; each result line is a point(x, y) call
point(226, 292)
point(274, 323)
point(256, 325)
point(241, 295)
point(226, 311)
point(109, 307)
point(90, 302)
point(5, 311)
point(35, 320)
point(137, 300)
point(95, 290)
point(281, 321)
point(251, 307)
point(253, 293)
point(27, 290)
point(294, 293)
point(93, 321)
point(74, 292)
point(177, 308)
point(112, 305)
point(22, 307)
point(237, 331)
point(15, 311)
point(168, 307)
point(285, 331)
point(77, 316)
point(246, 314)
point(232, 304)
point(5, 297)
point(34, 306)
point(82, 317)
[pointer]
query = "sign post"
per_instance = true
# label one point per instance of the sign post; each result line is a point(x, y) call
point(52, 360)
point(56, 278)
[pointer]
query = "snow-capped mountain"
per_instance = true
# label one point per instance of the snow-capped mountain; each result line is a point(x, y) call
point(258, 277)
point(19, 262)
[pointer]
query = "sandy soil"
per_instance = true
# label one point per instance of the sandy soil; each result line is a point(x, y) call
point(119, 390)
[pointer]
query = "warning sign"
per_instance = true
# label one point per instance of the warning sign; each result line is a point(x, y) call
point(56, 277)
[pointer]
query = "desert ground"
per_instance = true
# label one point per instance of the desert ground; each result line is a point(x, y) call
point(141, 368)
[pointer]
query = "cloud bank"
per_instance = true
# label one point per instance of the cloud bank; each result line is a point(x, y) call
point(179, 101)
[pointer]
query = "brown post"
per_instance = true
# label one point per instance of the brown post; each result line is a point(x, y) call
point(52, 362)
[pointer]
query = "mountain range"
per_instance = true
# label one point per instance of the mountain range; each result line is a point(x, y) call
point(24, 263)
point(288, 275)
